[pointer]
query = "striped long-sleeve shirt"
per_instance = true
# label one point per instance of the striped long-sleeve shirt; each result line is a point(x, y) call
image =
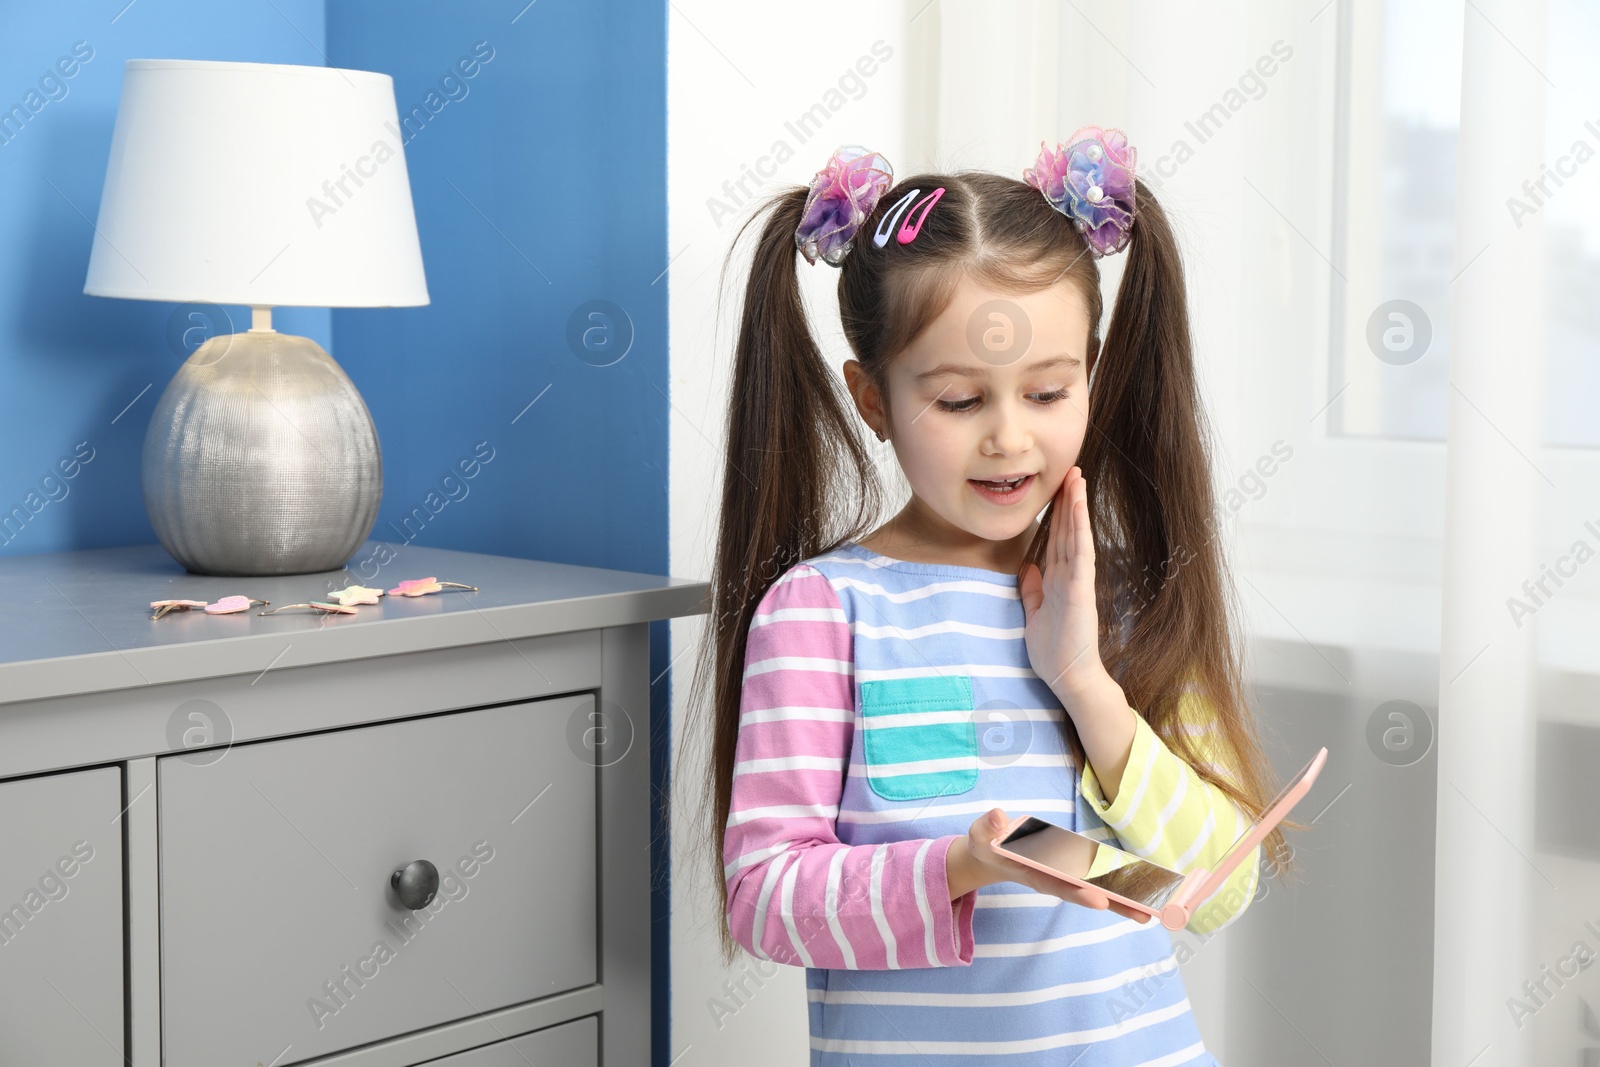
point(887, 704)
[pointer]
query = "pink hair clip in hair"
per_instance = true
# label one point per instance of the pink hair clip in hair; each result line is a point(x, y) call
point(1090, 179)
point(908, 232)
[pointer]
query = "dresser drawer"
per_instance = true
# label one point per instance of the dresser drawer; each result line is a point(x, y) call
point(61, 919)
point(574, 1044)
point(281, 936)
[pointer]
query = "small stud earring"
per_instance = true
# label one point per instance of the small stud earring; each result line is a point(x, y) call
point(880, 435)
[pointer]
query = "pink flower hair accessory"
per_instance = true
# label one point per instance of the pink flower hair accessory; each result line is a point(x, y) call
point(1090, 179)
point(843, 193)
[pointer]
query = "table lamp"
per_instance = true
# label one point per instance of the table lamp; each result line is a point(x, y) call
point(264, 185)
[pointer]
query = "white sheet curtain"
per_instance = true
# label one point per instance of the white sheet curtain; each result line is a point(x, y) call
point(1325, 160)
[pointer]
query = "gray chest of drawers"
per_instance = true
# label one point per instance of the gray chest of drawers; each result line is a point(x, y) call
point(218, 833)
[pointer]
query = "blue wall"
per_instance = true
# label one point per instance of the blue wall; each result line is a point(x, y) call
point(540, 186)
point(76, 368)
point(540, 193)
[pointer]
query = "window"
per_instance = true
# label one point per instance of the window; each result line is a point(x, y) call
point(1395, 259)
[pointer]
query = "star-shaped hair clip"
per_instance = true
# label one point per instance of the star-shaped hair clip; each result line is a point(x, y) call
point(352, 595)
point(419, 586)
point(228, 605)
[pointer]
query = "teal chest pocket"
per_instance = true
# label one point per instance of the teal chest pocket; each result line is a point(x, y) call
point(920, 740)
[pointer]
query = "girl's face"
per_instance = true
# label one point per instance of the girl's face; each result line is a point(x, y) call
point(995, 388)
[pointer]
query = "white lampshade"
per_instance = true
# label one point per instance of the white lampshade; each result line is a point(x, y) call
point(257, 183)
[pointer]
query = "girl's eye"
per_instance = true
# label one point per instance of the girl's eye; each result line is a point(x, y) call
point(1044, 399)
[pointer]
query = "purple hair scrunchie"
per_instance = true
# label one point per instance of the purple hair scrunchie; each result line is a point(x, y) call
point(843, 193)
point(1089, 179)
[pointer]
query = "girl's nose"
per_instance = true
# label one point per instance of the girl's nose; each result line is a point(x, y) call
point(1008, 434)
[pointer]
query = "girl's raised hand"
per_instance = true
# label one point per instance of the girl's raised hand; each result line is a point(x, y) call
point(1061, 629)
point(997, 868)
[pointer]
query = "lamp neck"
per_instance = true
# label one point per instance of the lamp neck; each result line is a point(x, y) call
point(261, 320)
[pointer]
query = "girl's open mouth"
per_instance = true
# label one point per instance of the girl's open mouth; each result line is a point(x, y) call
point(1003, 492)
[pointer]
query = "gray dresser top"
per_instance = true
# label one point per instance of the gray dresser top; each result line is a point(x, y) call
point(79, 622)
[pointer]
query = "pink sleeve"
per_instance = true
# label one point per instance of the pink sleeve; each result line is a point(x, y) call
point(796, 894)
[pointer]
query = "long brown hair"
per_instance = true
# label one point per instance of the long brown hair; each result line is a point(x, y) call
point(798, 478)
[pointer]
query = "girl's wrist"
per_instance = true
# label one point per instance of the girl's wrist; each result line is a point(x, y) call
point(1092, 688)
point(962, 872)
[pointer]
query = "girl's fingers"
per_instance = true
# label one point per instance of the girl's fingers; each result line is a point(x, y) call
point(1058, 526)
point(1077, 521)
point(1071, 537)
point(1088, 898)
point(1066, 520)
point(1083, 543)
point(1064, 507)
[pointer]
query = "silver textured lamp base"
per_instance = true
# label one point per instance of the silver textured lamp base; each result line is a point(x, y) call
point(261, 458)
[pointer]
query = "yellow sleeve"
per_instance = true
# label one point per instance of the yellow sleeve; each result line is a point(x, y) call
point(1166, 813)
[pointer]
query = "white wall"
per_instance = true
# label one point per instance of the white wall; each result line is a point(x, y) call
point(737, 73)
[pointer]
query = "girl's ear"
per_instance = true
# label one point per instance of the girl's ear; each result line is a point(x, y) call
point(867, 396)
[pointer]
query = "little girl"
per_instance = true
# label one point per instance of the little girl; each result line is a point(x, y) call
point(884, 702)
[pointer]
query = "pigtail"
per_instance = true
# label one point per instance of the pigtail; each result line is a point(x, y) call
point(796, 481)
point(1146, 456)
point(1147, 462)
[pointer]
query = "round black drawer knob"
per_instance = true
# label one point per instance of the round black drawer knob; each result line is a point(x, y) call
point(415, 883)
